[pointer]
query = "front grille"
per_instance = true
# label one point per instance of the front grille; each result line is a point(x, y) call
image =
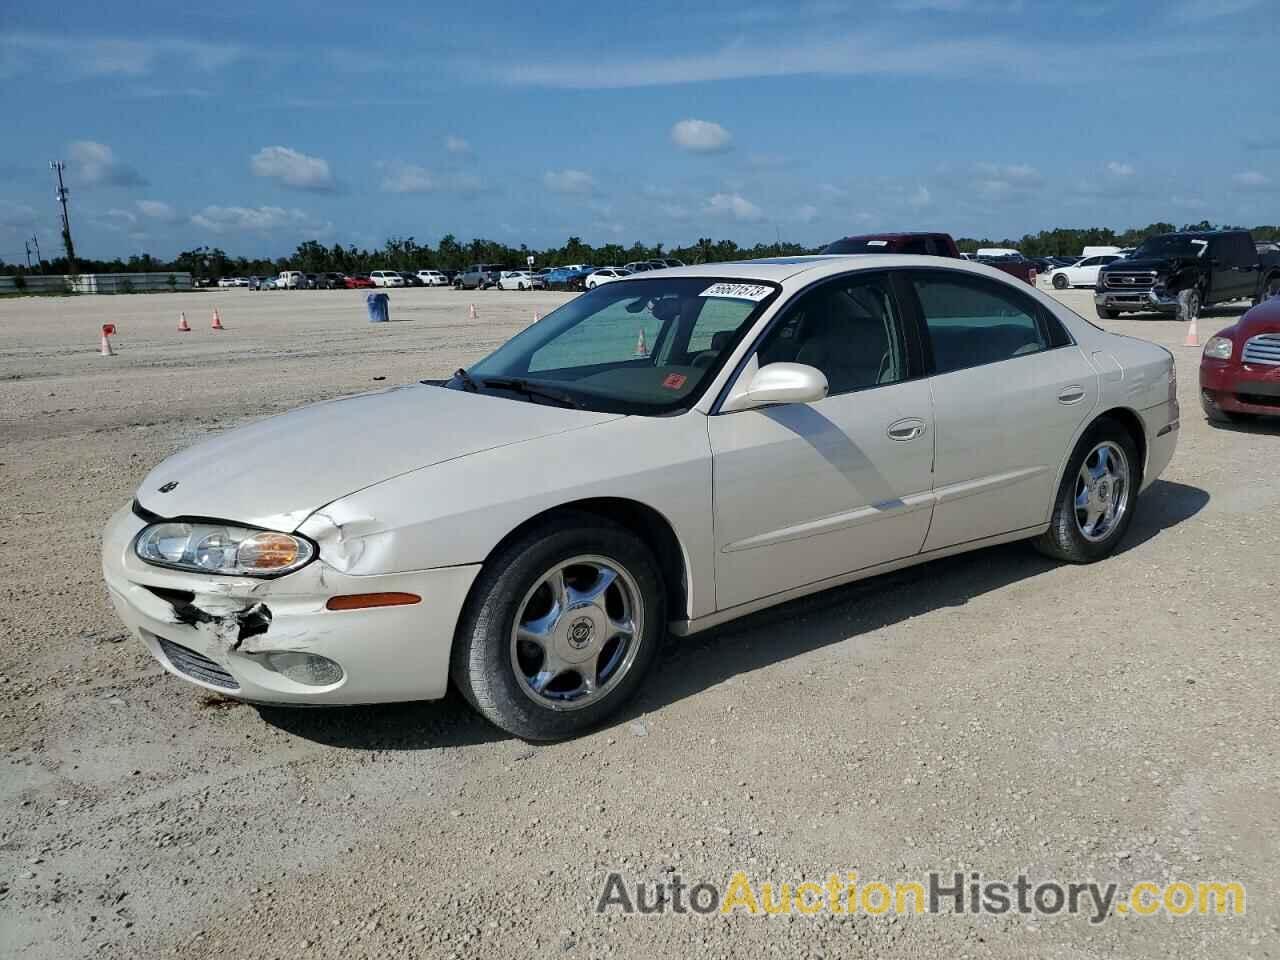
point(1128, 281)
point(1264, 348)
point(1258, 400)
point(197, 666)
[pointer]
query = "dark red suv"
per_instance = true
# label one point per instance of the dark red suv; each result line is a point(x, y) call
point(1240, 369)
point(920, 244)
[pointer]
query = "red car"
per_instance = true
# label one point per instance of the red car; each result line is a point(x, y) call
point(356, 283)
point(1240, 369)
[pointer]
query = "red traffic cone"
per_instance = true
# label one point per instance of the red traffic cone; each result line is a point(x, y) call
point(105, 349)
point(183, 326)
point(472, 313)
point(642, 348)
point(217, 321)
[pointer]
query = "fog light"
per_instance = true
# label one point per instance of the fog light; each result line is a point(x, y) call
point(307, 668)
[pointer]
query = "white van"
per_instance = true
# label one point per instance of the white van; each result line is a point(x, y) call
point(998, 252)
point(1101, 252)
point(291, 280)
point(386, 278)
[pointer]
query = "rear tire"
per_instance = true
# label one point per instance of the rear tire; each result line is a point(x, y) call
point(491, 663)
point(1270, 287)
point(1060, 282)
point(1105, 314)
point(1074, 534)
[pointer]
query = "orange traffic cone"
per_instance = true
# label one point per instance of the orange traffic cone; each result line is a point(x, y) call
point(472, 313)
point(105, 349)
point(1193, 334)
point(642, 348)
point(217, 321)
point(183, 326)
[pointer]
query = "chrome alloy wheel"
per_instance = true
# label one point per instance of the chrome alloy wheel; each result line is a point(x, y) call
point(1102, 491)
point(577, 632)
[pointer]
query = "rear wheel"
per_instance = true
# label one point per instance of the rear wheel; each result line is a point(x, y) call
point(1060, 282)
point(1096, 497)
point(560, 628)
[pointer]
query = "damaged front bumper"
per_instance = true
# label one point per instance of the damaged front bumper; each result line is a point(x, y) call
point(244, 637)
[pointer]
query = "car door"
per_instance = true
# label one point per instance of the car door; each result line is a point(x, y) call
point(1010, 391)
point(805, 492)
point(1085, 273)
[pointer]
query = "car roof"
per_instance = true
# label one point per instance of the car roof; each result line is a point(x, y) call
point(814, 267)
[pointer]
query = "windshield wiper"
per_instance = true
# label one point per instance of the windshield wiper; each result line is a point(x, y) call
point(468, 382)
point(529, 390)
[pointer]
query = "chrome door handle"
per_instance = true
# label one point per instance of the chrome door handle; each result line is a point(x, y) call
point(906, 429)
point(1072, 394)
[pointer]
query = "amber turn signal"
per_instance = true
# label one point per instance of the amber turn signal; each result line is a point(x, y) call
point(363, 601)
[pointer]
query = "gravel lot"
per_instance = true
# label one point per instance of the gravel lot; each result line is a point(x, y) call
point(993, 712)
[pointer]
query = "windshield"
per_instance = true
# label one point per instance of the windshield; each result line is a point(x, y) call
point(1171, 245)
point(645, 346)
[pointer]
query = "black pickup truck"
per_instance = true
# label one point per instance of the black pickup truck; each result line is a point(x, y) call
point(1215, 266)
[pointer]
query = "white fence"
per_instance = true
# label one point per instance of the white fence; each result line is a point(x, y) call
point(98, 283)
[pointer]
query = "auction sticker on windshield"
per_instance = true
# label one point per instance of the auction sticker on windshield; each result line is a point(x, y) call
point(738, 291)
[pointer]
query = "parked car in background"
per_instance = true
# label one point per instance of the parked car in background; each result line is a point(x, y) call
point(605, 275)
point(1082, 274)
point(313, 281)
point(226, 282)
point(1014, 264)
point(291, 280)
point(543, 521)
point(433, 278)
point(330, 281)
point(515, 280)
point(360, 281)
point(1212, 267)
point(1100, 251)
point(412, 279)
point(479, 276)
point(1240, 368)
point(386, 278)
point(673, 262)
point(261, 283)
point(922, 244)
point(638, 266)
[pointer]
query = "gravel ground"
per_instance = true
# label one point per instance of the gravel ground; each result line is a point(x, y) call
point(994, 712)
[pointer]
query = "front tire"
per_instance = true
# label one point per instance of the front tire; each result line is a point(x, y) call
point(1096, 498)
point(560, 628)
point(1060, 282)
point(1270, 287)
point(1105, 314)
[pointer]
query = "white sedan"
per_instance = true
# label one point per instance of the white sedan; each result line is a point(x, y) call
point(1081, 274)
point(659, 455)
point(515, 280)
point(605, 275)
point(433, 278)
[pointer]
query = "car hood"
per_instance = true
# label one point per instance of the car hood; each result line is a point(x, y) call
point(1158, 264)
point(276, 472)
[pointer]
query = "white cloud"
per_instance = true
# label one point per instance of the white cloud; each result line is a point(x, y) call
point(807, 213)
point(116, 219)
point(832, 192)
point(157, 210)
point(292, 168)
point(700, 136)
point(258, 219)
point(1197, 11)
point(569, 181)
point(1116, 168)
point(1252, 180)
point(109, 56)
point(95, 164)
point(733, 205)
point(674, 211)
point(921, 198)
point(410, 179)
point(456, 145)
point(995, 179)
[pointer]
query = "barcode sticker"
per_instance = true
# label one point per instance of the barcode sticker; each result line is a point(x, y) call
point(738, 291)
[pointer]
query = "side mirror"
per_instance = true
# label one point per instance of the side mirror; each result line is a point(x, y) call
point(780, 383)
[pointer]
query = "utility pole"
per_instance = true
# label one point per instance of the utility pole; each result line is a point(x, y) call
point(27, 244)
point(39, 258)
point(58, 166)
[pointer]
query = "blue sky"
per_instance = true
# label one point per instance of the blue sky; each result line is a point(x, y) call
point(253, 127)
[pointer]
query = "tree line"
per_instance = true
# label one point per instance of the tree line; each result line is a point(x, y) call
point(405, 253)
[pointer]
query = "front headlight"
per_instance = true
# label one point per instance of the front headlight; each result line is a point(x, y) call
point(222, 549)
point(1219, 348)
